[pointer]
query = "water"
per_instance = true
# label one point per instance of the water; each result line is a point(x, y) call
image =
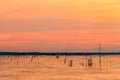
point(52, 68)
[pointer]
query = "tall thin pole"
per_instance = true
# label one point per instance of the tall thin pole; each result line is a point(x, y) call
point(100, 53)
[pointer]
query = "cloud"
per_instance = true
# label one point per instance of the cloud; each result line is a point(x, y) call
point(68, 39)
point(54, 24)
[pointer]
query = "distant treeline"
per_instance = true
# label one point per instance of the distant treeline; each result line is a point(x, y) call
point(59, 53)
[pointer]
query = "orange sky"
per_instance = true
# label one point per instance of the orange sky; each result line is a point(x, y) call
point(59, 25)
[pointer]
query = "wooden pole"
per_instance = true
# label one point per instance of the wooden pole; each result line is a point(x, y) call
point(65, 59)
point(32, 58)
point(71, 61)
point(100, 54)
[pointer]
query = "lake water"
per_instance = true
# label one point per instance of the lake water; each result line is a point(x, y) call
point(54, 68)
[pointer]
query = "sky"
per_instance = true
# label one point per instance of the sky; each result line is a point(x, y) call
point(59, 25)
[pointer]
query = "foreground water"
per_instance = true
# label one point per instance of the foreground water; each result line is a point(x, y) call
point(54, 68)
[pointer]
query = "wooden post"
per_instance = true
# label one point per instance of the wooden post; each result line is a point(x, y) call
point(17, 60)
point(65, 59)
point(86, 61)
point(100, 54)
point(71, 63)
point(90, 63)
point(32, 58)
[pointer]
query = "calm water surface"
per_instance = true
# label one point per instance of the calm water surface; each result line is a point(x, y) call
point(53, 68)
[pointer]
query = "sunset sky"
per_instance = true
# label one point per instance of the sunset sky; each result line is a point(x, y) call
point(59, 25)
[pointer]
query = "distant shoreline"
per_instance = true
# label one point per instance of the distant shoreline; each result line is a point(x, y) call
point(59, 53)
